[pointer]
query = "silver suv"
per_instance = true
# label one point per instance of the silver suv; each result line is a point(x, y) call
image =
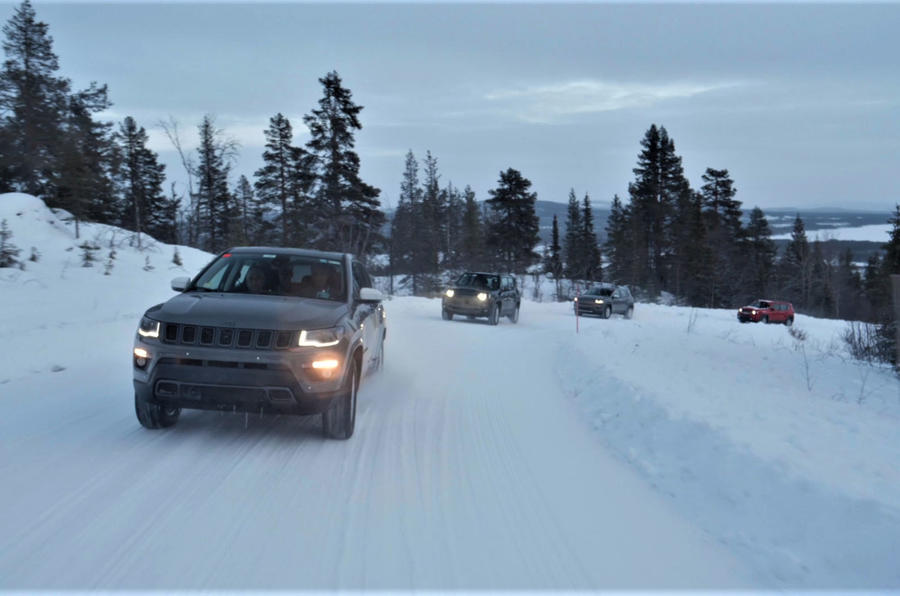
point(273, 330)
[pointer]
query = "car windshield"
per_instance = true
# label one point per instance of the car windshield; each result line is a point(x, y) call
point(600, 291)
point(274, 274)
point(478, 280)
point(762, 304)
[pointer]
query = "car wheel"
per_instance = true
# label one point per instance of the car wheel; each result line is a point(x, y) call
point(629, 313)
point(494, 316)
point(607, 312)
point(765, 319)
point(789, 321)
point(153, 415)
point(514, 317)
point(339, 419)
point(446, 315)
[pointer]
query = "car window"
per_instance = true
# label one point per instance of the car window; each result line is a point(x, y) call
point(275, 274)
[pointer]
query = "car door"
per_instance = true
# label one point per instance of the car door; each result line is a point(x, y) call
point(367, 316)
point(618, 301)
point(506, 289)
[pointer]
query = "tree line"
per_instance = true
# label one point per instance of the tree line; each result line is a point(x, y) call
point(54, 145)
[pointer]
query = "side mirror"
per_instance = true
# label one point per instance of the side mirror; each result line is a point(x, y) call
point(180, 284)
point(370, 295)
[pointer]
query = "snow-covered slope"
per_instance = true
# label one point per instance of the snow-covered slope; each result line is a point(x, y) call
point(676, 450)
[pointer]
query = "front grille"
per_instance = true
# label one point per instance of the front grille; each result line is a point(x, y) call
point(226, 337)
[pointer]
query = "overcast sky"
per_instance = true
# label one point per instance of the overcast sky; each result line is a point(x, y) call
point(801, 103)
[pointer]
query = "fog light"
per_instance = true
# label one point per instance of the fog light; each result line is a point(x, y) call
point(325, 368)
point(141, 356)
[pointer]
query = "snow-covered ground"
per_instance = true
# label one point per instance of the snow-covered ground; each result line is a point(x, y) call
point(679, 449)
point(868, 233)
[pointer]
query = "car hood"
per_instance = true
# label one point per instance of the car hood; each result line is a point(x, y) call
point(250, 311)
point(469, 290)
point(753, 308)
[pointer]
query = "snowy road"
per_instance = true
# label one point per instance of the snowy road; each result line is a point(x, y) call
point(470, 468)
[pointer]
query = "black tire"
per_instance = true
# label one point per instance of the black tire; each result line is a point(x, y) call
point(339, 420)
point(607, 312)
point(514, 317)
point(789, 321)
point(494, 316)
point(765, 320)
point(629, 313)
point(153, 415)
point(446, 315)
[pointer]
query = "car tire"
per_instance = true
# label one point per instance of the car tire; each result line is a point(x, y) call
point(494, 315)
point(765, 320)
point(514, 317)
point(339, 420)
point(629, 313)
point(446, 315)
point(153, 415)
point(607, 312)
point(789, 321)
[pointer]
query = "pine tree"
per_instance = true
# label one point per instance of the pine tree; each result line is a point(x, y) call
point(352, 218)
point(9, 252)
point(246, 202)
point(33, 101)
point(515, 231)
point(454, 213)
point(574, 255)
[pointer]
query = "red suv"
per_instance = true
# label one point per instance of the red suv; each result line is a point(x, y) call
point(767, 311)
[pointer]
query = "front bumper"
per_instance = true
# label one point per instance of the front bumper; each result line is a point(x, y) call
point(746, 317)
point(238, 380)
point(591, 308)
point(469, 306)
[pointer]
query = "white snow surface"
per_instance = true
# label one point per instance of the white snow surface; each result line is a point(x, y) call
point(867, 233)
point(676, 450)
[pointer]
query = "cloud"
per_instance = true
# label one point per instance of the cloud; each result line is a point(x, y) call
point(550, 103)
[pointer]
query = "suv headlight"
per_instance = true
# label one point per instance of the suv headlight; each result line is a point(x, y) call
point(148, 328)
point(320, 338)
point(482, 296)
point(449, 293)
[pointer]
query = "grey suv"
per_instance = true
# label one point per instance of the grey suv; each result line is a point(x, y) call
point(272, 330)
point(605, 299)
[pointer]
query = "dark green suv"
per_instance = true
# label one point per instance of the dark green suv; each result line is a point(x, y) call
point(491, 295)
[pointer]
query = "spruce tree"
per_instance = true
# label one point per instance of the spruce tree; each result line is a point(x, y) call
point(472, 233)
point(215, 206)
point(796, 266)
point(760, 254)
point(553, 265)
point(515, 231)
point(618, 244)
point(574, 256)
point(406, 240)
point(274, 180)
point(142, 179)
point(722, 214)
point(659, 182)
point(592, 265)
point(33, 103)
point(431, 228)
point(352, 218)
point(9, 252)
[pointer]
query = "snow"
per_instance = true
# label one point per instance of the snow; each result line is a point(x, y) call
point(676, 450)
point(868, 233)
